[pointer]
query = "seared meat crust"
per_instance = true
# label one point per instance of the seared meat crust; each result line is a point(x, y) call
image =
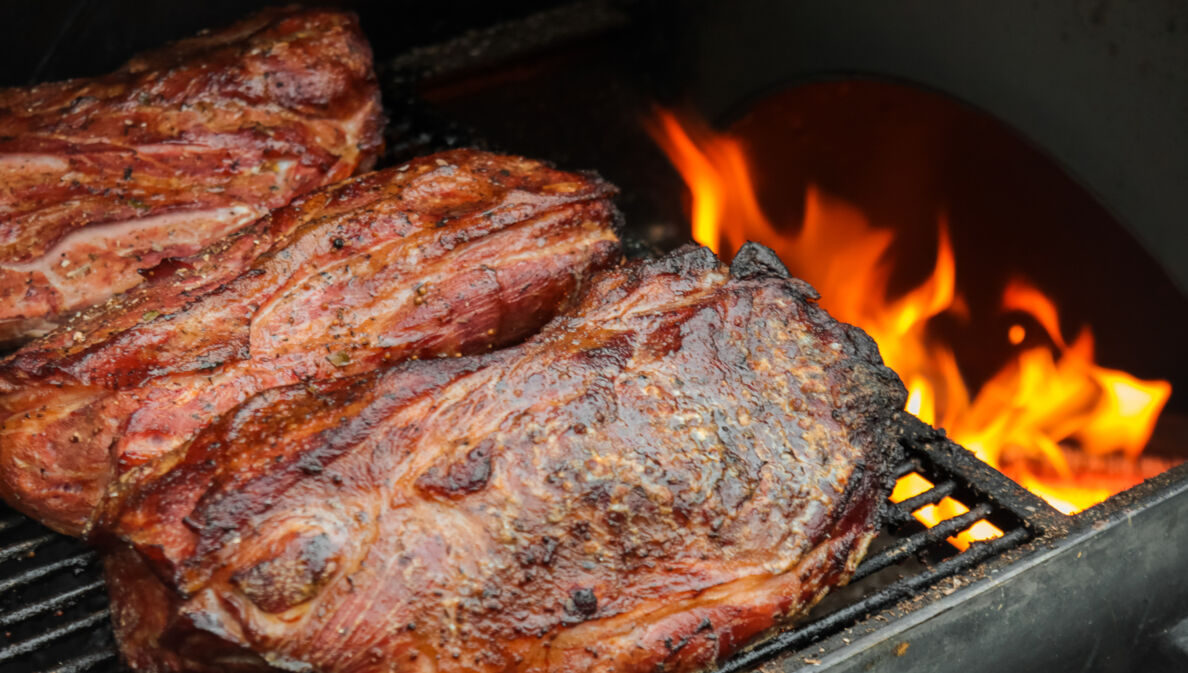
point(450, 254)
point(182, 145)
point(682, 462)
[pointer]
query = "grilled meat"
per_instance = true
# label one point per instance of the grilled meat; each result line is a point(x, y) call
point(450, 254)
point(172, 151)
point(685, 460)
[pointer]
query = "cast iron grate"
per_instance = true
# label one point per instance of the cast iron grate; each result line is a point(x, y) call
point(53, 606)
point(54, 616)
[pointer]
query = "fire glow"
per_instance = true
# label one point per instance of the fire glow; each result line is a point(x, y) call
point(1049, 402)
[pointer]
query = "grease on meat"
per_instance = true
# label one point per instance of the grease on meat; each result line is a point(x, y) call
point(182, 145)
point(450, 254)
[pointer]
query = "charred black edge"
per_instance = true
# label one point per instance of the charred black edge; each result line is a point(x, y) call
point(757, 260)
point(886, 430)
point(685, 259)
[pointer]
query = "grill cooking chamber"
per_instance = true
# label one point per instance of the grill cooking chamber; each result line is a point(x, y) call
point(1097, 88)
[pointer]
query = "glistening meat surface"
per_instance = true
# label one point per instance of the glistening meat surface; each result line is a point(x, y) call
point(182, 145)
point(688, 458)
point(450, 254)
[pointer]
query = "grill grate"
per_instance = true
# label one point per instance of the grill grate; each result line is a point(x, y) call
point(53, 609)
point(54, 615)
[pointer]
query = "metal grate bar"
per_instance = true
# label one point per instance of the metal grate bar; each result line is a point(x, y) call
point(56, 602)
point(914, 543)
point(34, 574)
point(952, 460)
point(37, 642)
point(85, 662)
point(909, 465)
point(11, 522)
point(929, 497)
point(16, 549)
point(794, 639)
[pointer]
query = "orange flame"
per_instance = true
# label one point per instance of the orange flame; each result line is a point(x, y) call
point(1046, 401)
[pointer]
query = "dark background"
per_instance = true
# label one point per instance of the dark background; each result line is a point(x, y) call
point(45, 40)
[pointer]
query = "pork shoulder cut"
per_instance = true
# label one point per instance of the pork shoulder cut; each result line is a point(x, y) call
point(684, 461)
point(447, 255)
point(179, 147)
